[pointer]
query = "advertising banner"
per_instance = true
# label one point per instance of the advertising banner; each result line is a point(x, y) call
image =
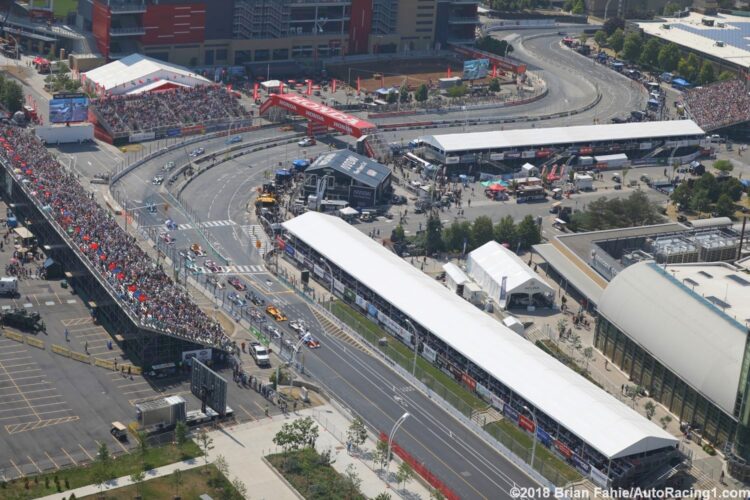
point(320, 113)
point(526, 423)
point(562, 449)
point(173, 132)
point(449, 160)
point(339, 286)
point(300, 257)
point(141, 136)
point(203, 355)
point(497, 156)
point(496, 401)
point(468, 381)
point(361, 302)
point(510, 413)
point(598, 477)
point(482, 391)
point(372, 311)
point(289, 249)
point(349, 295)
point(543, 437)
point(476, 69)
point(582, 466)
point(428, 353)
point(319, 271)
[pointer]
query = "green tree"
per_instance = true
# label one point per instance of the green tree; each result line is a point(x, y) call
point(664, 421)
point(299, 434)
point(700, 201)
point(433, 235)
point(391, 98)
point(12, 96)
point(102, 467)
point(180, 433)
point(352, 481)
point(505, 231)
point(380, 455)
point(494, 85)
point(706, 74)
point(137, 479)
point(583, 38)
point(240, 489)
point(404, 474)
point(357, 433)
point(579, 7)
point(600, 37)
point(669, 57)
point(616, 40)
point(724, 166)
point(724, 206)
point(383, 496)
point(456, 234)
point(612, 24)
point(681, 195)
point(403, 93)
point(588, 354)
point(632, 47)
point(143, 446)
point(732, 187)
point(726, 75)
point(221, 465)
point(177, 481)
point(206, 444)
point(671, 8)
point(529, 232)
point(481, 231)
point(650, 53)
point(457, 91)
point(398, 234)
point(421, 94)
point(650, 408)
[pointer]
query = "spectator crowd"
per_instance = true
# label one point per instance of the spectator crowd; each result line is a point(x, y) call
point(143, 287)
point(175, 108)
point(719, 104)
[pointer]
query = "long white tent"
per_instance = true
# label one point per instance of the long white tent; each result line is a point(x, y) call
point(492, 263)
point(552, 136)
point(597, 418)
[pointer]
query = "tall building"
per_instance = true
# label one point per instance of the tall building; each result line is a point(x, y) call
point(235, 32)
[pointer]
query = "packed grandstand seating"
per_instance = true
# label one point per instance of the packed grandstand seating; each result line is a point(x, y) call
point(719, 105)
point(181, 107)
point(143, 288)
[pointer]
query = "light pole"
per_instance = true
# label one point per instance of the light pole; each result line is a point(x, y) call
point(416, 346)
point(330, 272)
point(390, 442)
point(536, 425)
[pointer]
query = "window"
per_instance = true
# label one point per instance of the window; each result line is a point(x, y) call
point(262, 55)
point(221, 54)
point(209, 57)
point(280, 54)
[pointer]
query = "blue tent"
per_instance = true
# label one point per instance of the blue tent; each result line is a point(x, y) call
point(283, 173)
point(681, 82)
point(300, 164)
point(745, 182)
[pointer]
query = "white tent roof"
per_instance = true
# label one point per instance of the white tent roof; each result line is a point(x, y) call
point(126, 75)
point(494, 140)
point(578, 405)
point(154, 85)
point(348, 211)
point(671, 315)
point(455, 273)
point(491, 262)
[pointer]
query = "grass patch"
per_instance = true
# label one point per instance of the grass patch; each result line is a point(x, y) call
point(546, 461)
point(62, 7)
point(195, 482)
point(75, 477)
point(440, 382)
point(311, 474)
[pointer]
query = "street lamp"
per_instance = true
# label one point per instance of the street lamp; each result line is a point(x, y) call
point(416, 346)
point(536, 425)
point(330, 272)
point(390, 442)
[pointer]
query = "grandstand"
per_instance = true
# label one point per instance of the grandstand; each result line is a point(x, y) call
point(719, 105)
point(168, 113)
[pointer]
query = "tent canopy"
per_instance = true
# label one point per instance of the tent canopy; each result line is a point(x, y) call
point(348, 211)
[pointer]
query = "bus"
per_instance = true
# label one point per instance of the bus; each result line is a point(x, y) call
point(529, 194)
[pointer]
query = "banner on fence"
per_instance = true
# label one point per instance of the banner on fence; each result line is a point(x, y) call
point(141, 136)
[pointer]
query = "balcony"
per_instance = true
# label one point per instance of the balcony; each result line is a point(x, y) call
point(127, 7)
point(463, 20)
point(133, 31)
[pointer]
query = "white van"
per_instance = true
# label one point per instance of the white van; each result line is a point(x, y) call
point(9, 286)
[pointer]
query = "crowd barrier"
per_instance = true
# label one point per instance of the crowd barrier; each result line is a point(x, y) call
point(14, 336)
point(34, 342)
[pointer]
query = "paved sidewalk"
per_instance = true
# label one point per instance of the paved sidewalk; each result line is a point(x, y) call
point(243, 446)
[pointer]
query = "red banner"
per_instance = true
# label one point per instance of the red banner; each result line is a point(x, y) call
point(195, 129)
point(309, 87)
point(255, 92)
point(585, 151)
point(526, 423)
point(468, 381)
point(564, 450)
point(319, 113)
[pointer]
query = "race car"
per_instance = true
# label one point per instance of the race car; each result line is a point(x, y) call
point(197, 250)
point(310, 341)
point(237, 284)
point(275, 313)
point(167, 238)
point(212, 266)
point(297, 325)
point(236, 299)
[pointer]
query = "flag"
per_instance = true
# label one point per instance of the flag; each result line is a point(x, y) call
point(358, 85)
point(494, 70)
point(309, 87)
point(449, 72)
point(333, 85)
point(255, 91)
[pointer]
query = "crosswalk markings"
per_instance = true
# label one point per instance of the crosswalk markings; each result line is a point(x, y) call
point(210, 223)
point(242, 269)
point(335, 331)
point(255, 232)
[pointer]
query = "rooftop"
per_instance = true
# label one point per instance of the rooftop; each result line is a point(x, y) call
point(690, 31)
point(137, 70)
point(578, 405)
point(358, 167)
point(691, 317)
point(482, 141)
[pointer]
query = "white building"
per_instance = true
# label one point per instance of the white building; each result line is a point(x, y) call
point(506, 279)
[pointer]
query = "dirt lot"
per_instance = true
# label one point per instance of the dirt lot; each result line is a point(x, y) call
point(396, 73)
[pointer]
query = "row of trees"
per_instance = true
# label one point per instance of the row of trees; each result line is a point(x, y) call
point(709, 193)
point(494, 46)
point(516, 5)
point(612, 213)
point(465, 235)
point(11, 94)
point(662, 57)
